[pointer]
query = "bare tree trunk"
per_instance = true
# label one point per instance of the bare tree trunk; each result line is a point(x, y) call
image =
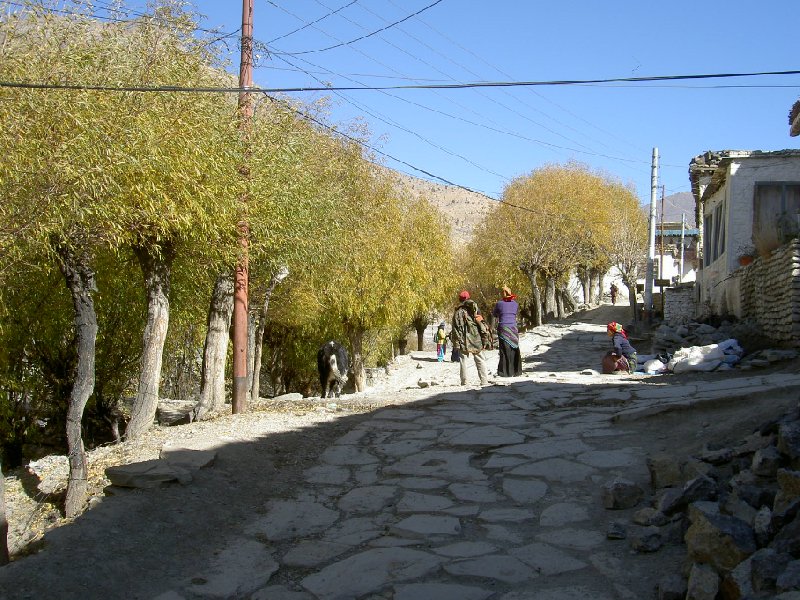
point(420, 324)
point(631, 285)
point(255, 384)
point(4, 558)
point(586, 284)
point(536, 299)
point(356, 337)
point(156, 263)
point(80, 281)
point(215, 350)
point(600, 285)
point(550, 310)
point(567, 301)
point(252, 322)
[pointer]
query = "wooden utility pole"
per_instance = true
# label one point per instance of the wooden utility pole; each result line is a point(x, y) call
point(240, 320)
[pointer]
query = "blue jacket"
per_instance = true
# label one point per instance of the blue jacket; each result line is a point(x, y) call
point(622, 346)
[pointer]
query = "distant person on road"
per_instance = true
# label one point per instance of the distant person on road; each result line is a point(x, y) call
point(614, 290)
point(469, 336)
point(623, 354)
point(441, 342)
point(510, 364)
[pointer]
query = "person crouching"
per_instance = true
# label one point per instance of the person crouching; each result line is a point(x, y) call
point(625, 353)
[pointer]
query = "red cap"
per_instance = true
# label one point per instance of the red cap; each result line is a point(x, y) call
point(464, 295)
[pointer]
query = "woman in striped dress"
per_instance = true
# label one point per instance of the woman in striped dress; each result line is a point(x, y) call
point(505, 311)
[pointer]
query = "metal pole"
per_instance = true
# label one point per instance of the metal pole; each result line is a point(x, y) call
point(661, 254)
point(648, 281)
point(683, 232)
point(240, 293)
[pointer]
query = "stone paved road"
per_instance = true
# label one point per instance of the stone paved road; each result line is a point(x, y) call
point(465, 493)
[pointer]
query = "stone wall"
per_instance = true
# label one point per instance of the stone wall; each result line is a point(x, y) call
point(679, 304)
point(769, 292)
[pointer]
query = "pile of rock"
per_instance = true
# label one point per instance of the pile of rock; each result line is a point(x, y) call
point(667, 339)
point(736, 508)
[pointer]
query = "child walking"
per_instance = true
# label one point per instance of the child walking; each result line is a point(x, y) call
point(441, 342)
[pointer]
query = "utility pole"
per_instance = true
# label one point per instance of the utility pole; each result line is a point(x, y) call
point(661, 254)
point(661, 239)
point(648, 281)
point(683, 233)
point(240, 292)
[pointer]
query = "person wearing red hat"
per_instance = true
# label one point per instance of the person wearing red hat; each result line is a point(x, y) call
point(624, 352)
point(470, 336)
point(505, 311)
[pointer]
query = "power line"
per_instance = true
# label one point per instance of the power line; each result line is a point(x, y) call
point(363, 37)
point(415, 168)
point(310, 23)
point(397, 125)
point(432, 86)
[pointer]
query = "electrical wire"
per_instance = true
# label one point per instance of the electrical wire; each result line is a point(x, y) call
point(322, 18)
point(430, 86)
point(363, 37)
point(362, 143)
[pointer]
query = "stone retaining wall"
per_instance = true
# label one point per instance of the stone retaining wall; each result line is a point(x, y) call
point(769, 292)
point(679, 304)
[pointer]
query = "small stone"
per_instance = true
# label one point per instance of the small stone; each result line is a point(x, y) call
point(645, 539)
point(616, 531)
point(665, 471)
point(788, 538)
point(789, 484)
point(620, 494)
point(703, 583)
point(762, 526)
point(649, 516)
point(789, 439)
point(766, 462)
point(768, 565)
point(717, 457)
point(790, 578)
point(671, 587)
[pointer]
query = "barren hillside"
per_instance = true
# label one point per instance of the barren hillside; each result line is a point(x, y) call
point(463, 209)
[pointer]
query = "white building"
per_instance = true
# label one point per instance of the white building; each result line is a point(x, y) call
point(750, 205)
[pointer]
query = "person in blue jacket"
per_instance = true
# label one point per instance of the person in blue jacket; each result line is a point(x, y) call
point(622, 347)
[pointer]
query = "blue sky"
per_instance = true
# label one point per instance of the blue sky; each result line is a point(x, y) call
point(483, 138)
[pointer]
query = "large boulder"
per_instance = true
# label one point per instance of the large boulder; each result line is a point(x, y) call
point(716, 539)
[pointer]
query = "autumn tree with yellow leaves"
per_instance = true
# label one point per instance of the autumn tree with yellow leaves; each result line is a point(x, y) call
point(551, 223)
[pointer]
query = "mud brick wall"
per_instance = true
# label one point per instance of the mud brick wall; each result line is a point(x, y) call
point(770, 293)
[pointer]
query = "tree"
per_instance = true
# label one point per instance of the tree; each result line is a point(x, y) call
point(107, 171)
point(628, 247)
point(4, 558)
point(556, 219)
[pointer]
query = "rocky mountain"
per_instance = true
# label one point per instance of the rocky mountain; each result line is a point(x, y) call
point(676, 205)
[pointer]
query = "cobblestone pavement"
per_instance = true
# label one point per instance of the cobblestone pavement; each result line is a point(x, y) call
point(462, 493)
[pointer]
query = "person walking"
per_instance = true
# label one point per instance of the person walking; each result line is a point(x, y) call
point(614, 290)
point(510, 363)
point(469, 336)
point(441, 342)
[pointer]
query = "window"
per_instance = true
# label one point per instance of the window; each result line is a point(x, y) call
point(708, 237)
point(776, 214)
point(719, 232)
point(714, 234)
